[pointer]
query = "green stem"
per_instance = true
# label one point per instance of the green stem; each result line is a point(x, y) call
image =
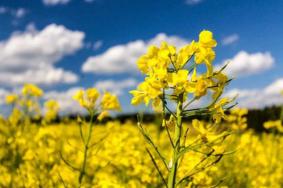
point(177, 138)
point(86, 147)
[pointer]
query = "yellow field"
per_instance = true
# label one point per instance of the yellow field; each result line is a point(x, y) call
point(169, 152)
point(31, 158)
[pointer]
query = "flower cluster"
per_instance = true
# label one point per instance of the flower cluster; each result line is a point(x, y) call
point(237, 119)
point(175, 71)
point(176, 77)
point(26, 105)
point(88, 99)
point(52, 108)
point(274, 125)
point(31, 90)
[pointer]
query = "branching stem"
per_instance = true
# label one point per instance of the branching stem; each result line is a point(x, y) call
point(86, 147)
point(177, 137)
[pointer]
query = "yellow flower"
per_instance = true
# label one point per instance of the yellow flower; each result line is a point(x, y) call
point(138, 96)
point(204, 52)
point(148, 90)
point(272, 124)
point(15, 117)
point(160, 75)
point(103, 115)
point(237, 118)
point(79, 97)
point(87, 98)
point(205, 131)
point(201, 87)
point(51, 104)
point(206, 39)
point(143, 61)
point(32, 90)
point(239, 111)
point(52, 108)
point(166, 51)
point(11, 99)
point(198, 85)
point(185, 54)
point(92, 94)
point(219, 81)
point(178, 80)
point(205, 55)
point(110, 102)
point(218, 111)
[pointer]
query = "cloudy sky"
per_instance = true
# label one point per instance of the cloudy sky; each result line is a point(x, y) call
point(64, 45)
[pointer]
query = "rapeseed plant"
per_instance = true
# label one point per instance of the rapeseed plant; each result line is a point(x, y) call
point(88, 99)
point(172, 78)
point(26, 105)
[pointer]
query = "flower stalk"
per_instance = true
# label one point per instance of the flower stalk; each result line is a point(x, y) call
point(177, 138)
point(86, 148)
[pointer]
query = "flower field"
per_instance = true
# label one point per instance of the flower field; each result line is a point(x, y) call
point(31, 158)
point(190, 144)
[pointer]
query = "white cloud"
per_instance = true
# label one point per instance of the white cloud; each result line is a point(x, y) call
point(17, 13)
point(241, 93)
point(55, 2)
point(258, 98)
point(193, 2)
point(30, 56)
point(48, 75)
point(122, 58)
point(231, 39)
point(275, 87)
point(116, 87)
point(244, 64)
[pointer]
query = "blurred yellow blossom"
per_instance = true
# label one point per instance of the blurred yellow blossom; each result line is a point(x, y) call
point(11, 98)
point(32, 90)
point(52, 109)
point(110, 102)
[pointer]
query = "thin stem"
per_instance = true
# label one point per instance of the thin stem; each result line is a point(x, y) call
point(164, 117)
point(61, 179)
point(169, 135)
point(149, 140)
point(189, 103)
point(67, 163)
point(170, 111)
point(81, 133)
point(86, 147)
point(177, 137)
point(184, 143)
point(156, 166)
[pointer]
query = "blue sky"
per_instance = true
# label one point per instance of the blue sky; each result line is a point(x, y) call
point(248, 32)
